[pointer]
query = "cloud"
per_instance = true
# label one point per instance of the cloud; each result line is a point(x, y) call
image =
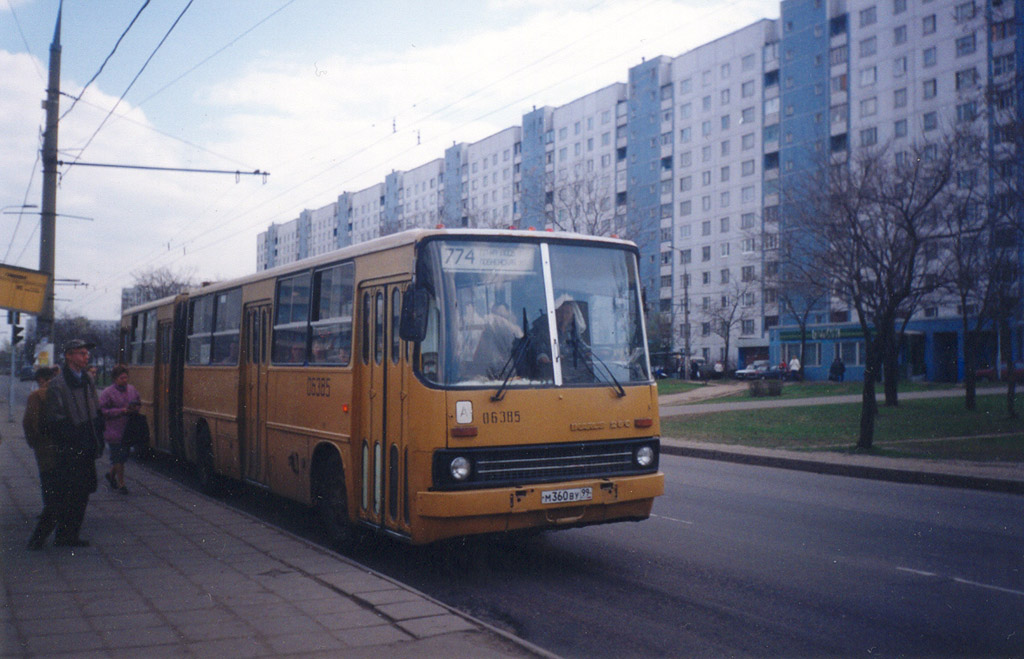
point(321, 123)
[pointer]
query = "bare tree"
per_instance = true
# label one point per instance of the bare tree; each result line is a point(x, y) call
point(583, 203)
point(962, 257)
point(1005, 302)
point(735, 306)
point(860, 224)
point(157, 283)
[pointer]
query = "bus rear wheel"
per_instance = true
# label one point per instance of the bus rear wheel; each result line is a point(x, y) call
point(331, 501)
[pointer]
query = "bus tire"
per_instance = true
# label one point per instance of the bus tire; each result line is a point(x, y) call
point(330, 499)
point(209, 481)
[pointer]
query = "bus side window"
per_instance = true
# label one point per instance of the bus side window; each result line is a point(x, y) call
point(331, 324)
point(291, 323)
point(364, 336)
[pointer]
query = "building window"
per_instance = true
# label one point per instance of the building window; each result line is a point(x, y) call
point(900, 128)
point(868, 47)
point(1000, 64)
point(928, 24)
point(899, 35)
point(965, 45)
point(868, 76)
point(930, 121)
point(869, 136)
point(930, 88)
point(748, 327)
point(968, 78)
point(868, 106)
point(929, 57)
point(899, 67)
point(964, 12)
point(868, 17)
point(837, 55)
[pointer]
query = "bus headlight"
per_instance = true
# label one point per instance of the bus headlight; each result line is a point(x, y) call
point(644, 456)
point(460, 468)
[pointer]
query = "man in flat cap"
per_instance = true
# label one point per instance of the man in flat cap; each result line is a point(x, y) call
point(72, 419)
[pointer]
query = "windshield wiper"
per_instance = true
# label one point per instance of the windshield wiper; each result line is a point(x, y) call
point(578, 347)
point(512, 363)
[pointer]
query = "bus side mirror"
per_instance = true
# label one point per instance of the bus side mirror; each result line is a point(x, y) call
point(413, 324)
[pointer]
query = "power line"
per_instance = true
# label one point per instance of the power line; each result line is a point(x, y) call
point(152, 168)
point(217, 52)
point(440, 111)
point(144, 65)
point(100, 70)
point(17, 23)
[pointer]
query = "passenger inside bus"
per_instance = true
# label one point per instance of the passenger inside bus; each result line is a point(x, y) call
point(571, 325)
point(497, 341)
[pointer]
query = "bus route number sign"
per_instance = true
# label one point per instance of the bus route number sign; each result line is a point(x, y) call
point(482, 257)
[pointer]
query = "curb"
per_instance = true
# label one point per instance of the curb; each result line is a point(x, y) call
point(875, 472)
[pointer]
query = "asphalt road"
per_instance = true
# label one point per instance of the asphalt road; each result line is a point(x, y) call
point(744, 561)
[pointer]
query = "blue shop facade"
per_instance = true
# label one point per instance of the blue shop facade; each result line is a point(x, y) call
point(931, 350)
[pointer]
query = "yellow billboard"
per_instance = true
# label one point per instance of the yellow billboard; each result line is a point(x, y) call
point(22, 289)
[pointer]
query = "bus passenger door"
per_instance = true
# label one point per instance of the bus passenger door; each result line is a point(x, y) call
point(161, 430)
point(370, 450)
point(254, 372)
point(396, 498)
point(381, 449)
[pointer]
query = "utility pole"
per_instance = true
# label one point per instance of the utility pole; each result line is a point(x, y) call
point(686, 323)
point(48, 216)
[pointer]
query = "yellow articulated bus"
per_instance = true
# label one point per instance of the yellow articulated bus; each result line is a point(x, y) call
point(426, 385)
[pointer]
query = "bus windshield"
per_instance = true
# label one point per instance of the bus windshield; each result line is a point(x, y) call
point(528, 314)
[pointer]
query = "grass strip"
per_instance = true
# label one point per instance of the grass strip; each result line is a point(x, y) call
point(977, 435)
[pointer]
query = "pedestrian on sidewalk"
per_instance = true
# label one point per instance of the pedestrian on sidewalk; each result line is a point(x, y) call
point(118, 403)
point(45, 451)
point(71, 417)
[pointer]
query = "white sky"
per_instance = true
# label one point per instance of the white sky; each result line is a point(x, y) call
point(325, 95)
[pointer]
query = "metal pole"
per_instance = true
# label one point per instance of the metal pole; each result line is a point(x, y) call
point(48, 216)
point(10, 387)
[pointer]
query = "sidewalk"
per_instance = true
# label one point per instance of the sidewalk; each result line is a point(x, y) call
point(995, 476)
point(173, 573)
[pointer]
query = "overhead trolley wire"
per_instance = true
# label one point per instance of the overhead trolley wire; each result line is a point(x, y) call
point(125, 93)
point(107, 59)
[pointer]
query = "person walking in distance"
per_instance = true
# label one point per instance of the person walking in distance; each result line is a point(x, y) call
point(71, 416)
point(117, 403)
point(46, 456)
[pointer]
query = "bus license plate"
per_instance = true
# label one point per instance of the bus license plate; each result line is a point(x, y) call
point(567, 496)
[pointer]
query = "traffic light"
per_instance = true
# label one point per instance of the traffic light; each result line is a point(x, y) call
point(16, 334)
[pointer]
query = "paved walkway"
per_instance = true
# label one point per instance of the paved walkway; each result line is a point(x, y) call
point(997, 476)
point(172, 573)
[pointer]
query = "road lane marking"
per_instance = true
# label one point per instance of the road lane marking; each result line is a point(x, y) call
point(913, 571)
point(672, 519)
point(989, 586)
point(966, 582)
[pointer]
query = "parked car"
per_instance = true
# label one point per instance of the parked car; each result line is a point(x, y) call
point(760, 369)
point(989, 372)
point(26, 373)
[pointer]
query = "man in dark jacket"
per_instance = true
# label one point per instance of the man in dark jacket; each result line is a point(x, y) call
point(71, 418)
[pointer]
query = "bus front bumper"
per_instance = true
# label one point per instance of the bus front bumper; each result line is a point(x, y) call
point(448, 514)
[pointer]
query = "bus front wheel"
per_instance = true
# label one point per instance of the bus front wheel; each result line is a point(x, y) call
point(331, 501)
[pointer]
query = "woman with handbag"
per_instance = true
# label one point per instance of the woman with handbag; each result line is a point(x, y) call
point(118, 403)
